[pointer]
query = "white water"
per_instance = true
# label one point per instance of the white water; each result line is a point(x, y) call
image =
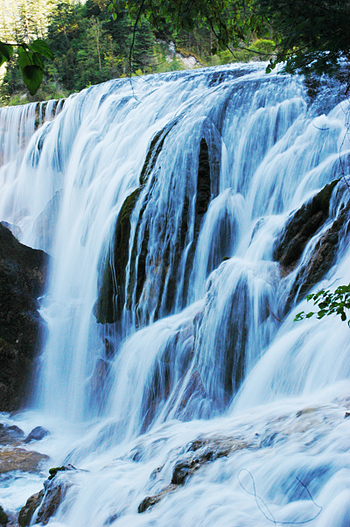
point(173, 380)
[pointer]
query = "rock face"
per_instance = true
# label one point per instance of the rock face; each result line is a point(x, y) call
point(115, 294)
point(30, 507)
point(38, 433)
point(298, 231)
point(322, 258)
point(22, 460)
point(54, 493)
point(301, 226)
point(110, 303)
point(22, 278)
point(47, 501)
point(3, 516)
point(197, 454)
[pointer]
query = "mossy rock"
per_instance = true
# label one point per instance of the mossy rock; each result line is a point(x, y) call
point(321, 260)
point(3, 517)
point(111, 298)
point(301, 227)
point(154, 150)
point(26, 513)
point(22, 281)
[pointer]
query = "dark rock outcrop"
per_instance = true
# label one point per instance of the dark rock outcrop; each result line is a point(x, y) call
point(203, 198)
point(110, 302)
point(10, 435)
point(322, 259)
point(3, 517)
point(22, 278)
point(154, 150)
point(46, 502)
point(115, 294)
point(301, 226)
point(26, 513)
point(198, 453)
point(54, 493)
point(38, 433)
point(150, 501)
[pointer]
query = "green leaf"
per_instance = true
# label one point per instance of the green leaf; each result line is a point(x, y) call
point(6, 50)
point(32, 76)
point(24, 58)
point(41, 47)
point(31, 65)
point(38, 60)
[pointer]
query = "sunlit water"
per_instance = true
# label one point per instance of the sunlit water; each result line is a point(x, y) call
point(200, 348)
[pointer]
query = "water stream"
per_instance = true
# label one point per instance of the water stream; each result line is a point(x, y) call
point(198, 343)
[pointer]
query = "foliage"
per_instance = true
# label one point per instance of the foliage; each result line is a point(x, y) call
point(229, 20)
point(312, 35)
point(30, 59)
point(88, 48)
point(329, 303)
point(103, 39)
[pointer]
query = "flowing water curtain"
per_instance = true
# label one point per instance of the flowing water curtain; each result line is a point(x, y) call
point(142, 154)
point(184, 213)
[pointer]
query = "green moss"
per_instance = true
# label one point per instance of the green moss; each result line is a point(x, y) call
point(53, 471)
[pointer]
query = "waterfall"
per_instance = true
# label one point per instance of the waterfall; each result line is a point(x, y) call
point(171, 206)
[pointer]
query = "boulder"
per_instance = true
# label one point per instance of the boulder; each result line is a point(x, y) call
point(3, 517)
point(10, 435)
point(301, 227)
point(26, 513)
point(150, 501)
point(197, 454)
point(322, 258)
point(38, 433)
point(12, 459)
point(16, 231)
point(55, 489)
point(22, 279)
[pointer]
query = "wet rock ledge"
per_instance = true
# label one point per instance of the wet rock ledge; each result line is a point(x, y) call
point(22, 280)
point(300, 227)
point(198, 453)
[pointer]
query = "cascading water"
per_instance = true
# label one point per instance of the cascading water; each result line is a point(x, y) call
point(164, 202)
